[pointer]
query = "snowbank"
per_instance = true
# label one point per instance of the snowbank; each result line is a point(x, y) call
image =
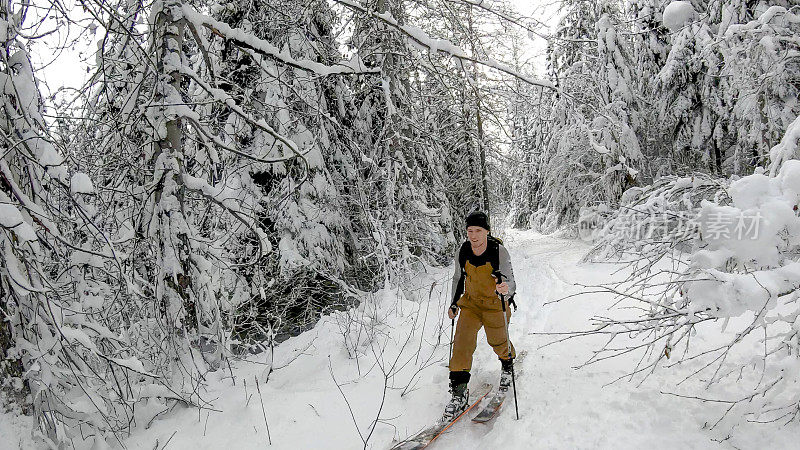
point(15, 428)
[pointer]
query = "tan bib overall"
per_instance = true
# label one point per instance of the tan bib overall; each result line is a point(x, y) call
point(480, 307)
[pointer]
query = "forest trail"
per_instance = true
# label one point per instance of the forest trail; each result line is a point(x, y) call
point(560, 407)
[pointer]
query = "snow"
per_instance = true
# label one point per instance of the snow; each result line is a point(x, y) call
point(25, 232)
point(15, 429)
point(366, 376)
point(81, 184)
point(132, 363)
point(86, 258)
point(787, 148)
point(34, 208)
point(76, 336)
point(10, 216)
point(406, 333)
point(677, 14)
point(765, 17)
point(769, 203)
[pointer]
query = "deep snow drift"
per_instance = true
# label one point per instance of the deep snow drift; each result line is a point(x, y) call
point(388, 360)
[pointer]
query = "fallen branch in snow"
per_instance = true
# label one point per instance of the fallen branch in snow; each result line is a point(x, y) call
point(264, 411)
point(168, 440)
point(349, 408)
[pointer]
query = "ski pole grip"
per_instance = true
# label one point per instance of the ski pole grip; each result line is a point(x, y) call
point(498, 277)
point(454, 309)
point(498, 280)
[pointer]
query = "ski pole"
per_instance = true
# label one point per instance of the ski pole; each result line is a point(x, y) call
point(508, 342)
point(452, 326)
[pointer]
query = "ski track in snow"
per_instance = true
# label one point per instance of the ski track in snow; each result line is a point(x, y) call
point(560, 407)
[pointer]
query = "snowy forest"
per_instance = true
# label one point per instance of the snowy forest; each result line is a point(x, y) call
point(232, 176)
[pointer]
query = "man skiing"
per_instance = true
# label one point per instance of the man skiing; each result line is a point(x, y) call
point(482, 271)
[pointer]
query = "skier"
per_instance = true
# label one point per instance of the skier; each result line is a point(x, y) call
point(482, 271)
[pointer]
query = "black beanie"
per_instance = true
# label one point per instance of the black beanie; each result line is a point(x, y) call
point(478, 219)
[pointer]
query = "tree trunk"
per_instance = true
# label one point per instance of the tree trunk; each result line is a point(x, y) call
point(171, 236)
point(482, 149)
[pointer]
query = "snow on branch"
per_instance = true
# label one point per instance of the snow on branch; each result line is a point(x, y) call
point(786, 149)
point(227, 201)
point(222, 97)
point(247, 40)
point(418, 38)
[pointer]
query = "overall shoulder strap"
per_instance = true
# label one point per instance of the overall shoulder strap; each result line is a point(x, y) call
point(493, 247)
point(462, 255)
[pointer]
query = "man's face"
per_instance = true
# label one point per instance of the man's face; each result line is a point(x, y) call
point(477, 235)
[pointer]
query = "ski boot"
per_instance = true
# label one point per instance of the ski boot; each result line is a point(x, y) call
point(505, 374)
point(458, 403)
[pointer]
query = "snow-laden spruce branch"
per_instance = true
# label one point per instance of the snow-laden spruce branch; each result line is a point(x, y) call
point(222, 97)
point(247, 40)
point(420, 39)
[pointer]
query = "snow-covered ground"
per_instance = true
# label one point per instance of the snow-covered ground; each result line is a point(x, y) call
point(388, 360)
